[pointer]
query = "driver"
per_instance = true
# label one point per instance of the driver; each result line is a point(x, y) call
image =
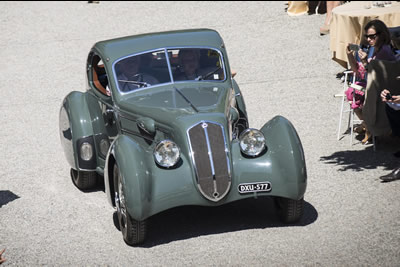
point(129, 77)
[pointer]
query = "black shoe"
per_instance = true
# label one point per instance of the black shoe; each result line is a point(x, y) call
point(394, 175)
point(397, 154)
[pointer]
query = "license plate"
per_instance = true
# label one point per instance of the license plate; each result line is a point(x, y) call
point(254, 187)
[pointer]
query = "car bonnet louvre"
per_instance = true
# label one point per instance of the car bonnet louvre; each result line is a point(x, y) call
point(210, 159)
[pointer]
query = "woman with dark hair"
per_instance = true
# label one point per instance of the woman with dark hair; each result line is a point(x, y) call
point(378, 38)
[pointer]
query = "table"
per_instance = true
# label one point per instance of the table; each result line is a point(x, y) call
point(348, 21)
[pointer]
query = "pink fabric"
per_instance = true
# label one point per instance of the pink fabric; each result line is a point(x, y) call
point(361, 71)
point(358, 96)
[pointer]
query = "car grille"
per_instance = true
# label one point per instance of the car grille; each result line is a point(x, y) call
point(210, 159)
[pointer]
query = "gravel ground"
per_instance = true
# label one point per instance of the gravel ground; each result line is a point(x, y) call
point(284, 67)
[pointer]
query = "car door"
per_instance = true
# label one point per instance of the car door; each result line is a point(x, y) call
point(100, 101)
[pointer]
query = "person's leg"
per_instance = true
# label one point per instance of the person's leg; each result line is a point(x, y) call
point(394, 120)
point(363, 127)
point(329, 6)
point(394, 175)
point(358, 112)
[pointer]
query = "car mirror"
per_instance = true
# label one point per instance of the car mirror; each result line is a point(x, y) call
point(147, 125)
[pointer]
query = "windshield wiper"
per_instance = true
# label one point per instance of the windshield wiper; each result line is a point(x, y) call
point(142, 84)
point(186, 99)
point(202, 77)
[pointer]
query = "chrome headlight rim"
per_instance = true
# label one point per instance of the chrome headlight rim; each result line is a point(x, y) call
point(86, 151)
point(260, 145)
point(168, 146)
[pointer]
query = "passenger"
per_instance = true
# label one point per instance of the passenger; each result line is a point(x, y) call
point(129, 77)
point(378, 37)
point(189, 62)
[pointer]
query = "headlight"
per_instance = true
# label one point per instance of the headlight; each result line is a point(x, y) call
point(166, 153)
point(252, 142)
point(86, 151)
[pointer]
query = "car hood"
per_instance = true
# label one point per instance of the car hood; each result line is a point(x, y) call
point(169, 102)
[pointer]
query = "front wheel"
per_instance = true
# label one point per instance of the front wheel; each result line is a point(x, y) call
point(133, 232)
point(84, 180)
point(289, 210)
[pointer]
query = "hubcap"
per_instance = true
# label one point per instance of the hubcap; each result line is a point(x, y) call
point(120, 203)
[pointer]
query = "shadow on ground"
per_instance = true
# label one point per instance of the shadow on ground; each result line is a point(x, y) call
point(367, 159)
point(6, 197)
point(192, 221)
point(97, 188)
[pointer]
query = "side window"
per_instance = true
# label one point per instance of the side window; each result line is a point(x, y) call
point(99, 75)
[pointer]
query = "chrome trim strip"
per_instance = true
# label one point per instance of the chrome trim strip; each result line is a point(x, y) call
point(106, 177)
point(209, 151)
point(169, 65)
point(218, 198)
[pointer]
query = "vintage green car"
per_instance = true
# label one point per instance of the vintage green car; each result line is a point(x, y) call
point(164, 122)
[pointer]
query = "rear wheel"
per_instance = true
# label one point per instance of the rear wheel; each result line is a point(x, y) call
point(84, 180)
point(133, 232)
point(289, 210)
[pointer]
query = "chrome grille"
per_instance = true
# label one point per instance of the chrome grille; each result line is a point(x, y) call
point(210, 159)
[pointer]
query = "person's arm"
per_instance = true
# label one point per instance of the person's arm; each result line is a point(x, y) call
point(396, 99)
point(1, 256)
point(385, 53)
point(383, 95)
point(363, 57)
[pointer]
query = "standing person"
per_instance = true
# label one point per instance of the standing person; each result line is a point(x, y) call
point(329, 6)
point(1, 256)
point(378, 38)
point(393, 114)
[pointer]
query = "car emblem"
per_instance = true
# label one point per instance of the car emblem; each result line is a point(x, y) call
point(204, 125)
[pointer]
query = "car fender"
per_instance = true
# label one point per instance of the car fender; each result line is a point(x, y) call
point(287, 159)
point(128, 154)
point(78, 119)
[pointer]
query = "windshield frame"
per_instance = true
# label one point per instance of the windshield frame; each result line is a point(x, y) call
point(172, 81)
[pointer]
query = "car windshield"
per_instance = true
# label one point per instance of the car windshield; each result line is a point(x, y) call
point(150, 69)
point(198, 64)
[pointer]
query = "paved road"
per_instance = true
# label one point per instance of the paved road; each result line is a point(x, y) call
point(284, 67)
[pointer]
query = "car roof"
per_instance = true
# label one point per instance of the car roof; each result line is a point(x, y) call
point(114, 49)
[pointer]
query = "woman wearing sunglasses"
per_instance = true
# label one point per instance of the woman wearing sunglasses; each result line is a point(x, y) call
point(378, 38)
point(377, 35)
